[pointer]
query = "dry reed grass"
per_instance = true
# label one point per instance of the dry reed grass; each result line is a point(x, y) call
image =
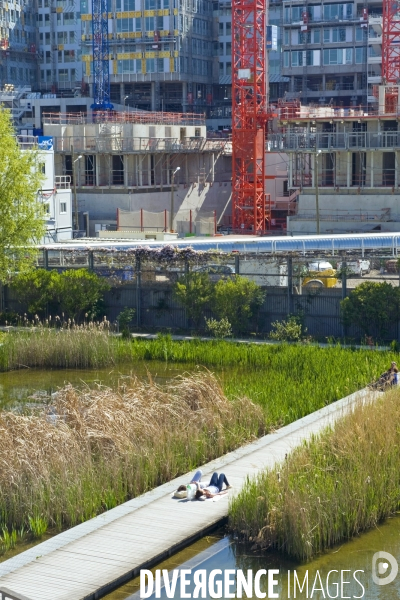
point(341, 483)
point(90, 450)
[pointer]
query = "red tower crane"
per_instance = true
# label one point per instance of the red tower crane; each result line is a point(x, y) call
point(250, 206)
point(391, 42)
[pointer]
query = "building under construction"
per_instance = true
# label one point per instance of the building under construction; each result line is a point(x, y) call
point(343, 162)
point(133, 161)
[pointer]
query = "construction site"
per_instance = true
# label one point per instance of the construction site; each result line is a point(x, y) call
point(205, 113)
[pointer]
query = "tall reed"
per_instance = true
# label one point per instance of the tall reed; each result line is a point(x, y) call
point(74, 346)
point(287, 381)
point(93, 449)
point(328, 490)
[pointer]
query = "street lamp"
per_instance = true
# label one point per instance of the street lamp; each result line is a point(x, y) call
point(316, 188)
point(76, 219)
point(124, 102)
point(171, 216)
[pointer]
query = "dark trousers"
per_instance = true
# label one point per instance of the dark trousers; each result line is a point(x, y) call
point(218, 480)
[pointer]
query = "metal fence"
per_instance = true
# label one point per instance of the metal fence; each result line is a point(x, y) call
point(312, 288)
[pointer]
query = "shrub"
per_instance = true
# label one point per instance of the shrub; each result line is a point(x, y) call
point(372, 307)
point(290, 330)
point(74, 292)
point(219, 329)
point(238, 300)
point(37, 290)
point(80, 291)
point(125, 319)
point(194, 291)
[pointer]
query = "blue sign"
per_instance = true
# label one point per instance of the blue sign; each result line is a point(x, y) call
point(45, 142)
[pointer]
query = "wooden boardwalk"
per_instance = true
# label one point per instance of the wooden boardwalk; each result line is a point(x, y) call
point(101, 554)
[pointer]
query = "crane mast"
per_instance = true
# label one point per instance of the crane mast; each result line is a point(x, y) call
point(101, 72)
point(250, 206)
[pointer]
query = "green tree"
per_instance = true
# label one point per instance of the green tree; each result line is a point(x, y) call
point(194, 291)
point(37, 290)
point(372, 307)
point(80, 292)
point(21, 213)
point(238, 300)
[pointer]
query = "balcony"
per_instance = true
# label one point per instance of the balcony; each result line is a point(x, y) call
point(374, 60)
point(375, 79)
point(354, 141)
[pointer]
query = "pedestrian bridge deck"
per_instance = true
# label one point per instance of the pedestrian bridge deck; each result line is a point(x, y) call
point(97, 556)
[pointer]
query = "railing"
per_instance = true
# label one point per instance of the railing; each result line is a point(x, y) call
point(302, 112)
point(27, 142)
point(359, 216)
point(279, 142)
point(140, 144)
point(63, 182)
point(141, 117)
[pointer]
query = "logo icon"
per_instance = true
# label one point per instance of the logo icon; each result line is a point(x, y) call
point(380, 565)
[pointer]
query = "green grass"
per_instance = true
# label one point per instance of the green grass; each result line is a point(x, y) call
point(328, 490)
point(287, 381)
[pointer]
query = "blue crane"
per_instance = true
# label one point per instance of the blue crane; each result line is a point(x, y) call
point(101, 73)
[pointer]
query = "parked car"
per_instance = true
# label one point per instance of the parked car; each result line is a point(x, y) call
point(320, 274)
point(358, 267)
point(217, 272)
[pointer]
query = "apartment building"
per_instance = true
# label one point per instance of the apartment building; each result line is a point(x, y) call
point(58, 30)
point(161, 53)
point(331, 50)
point(18, 44)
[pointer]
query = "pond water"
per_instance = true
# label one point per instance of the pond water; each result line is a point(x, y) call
point(35, 385)
point(220, 551)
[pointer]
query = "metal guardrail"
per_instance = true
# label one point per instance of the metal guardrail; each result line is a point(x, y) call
point(141, 117)
point(139, 144)
point(279, 142)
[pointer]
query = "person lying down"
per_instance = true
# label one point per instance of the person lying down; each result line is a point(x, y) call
point(198, 489)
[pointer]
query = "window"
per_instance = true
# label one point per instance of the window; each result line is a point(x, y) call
point(63, 208)
point(297, 59)
point(228, 27)
point(305, 37)
point(286, 38)
point(286, 59)
point(359, 56)
point(338, 56)
point(361, 34)
point(338, 34)
point(148, 23)
point(317, 36)
point(150, 65)
point(327, 36)
point(338, 11)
